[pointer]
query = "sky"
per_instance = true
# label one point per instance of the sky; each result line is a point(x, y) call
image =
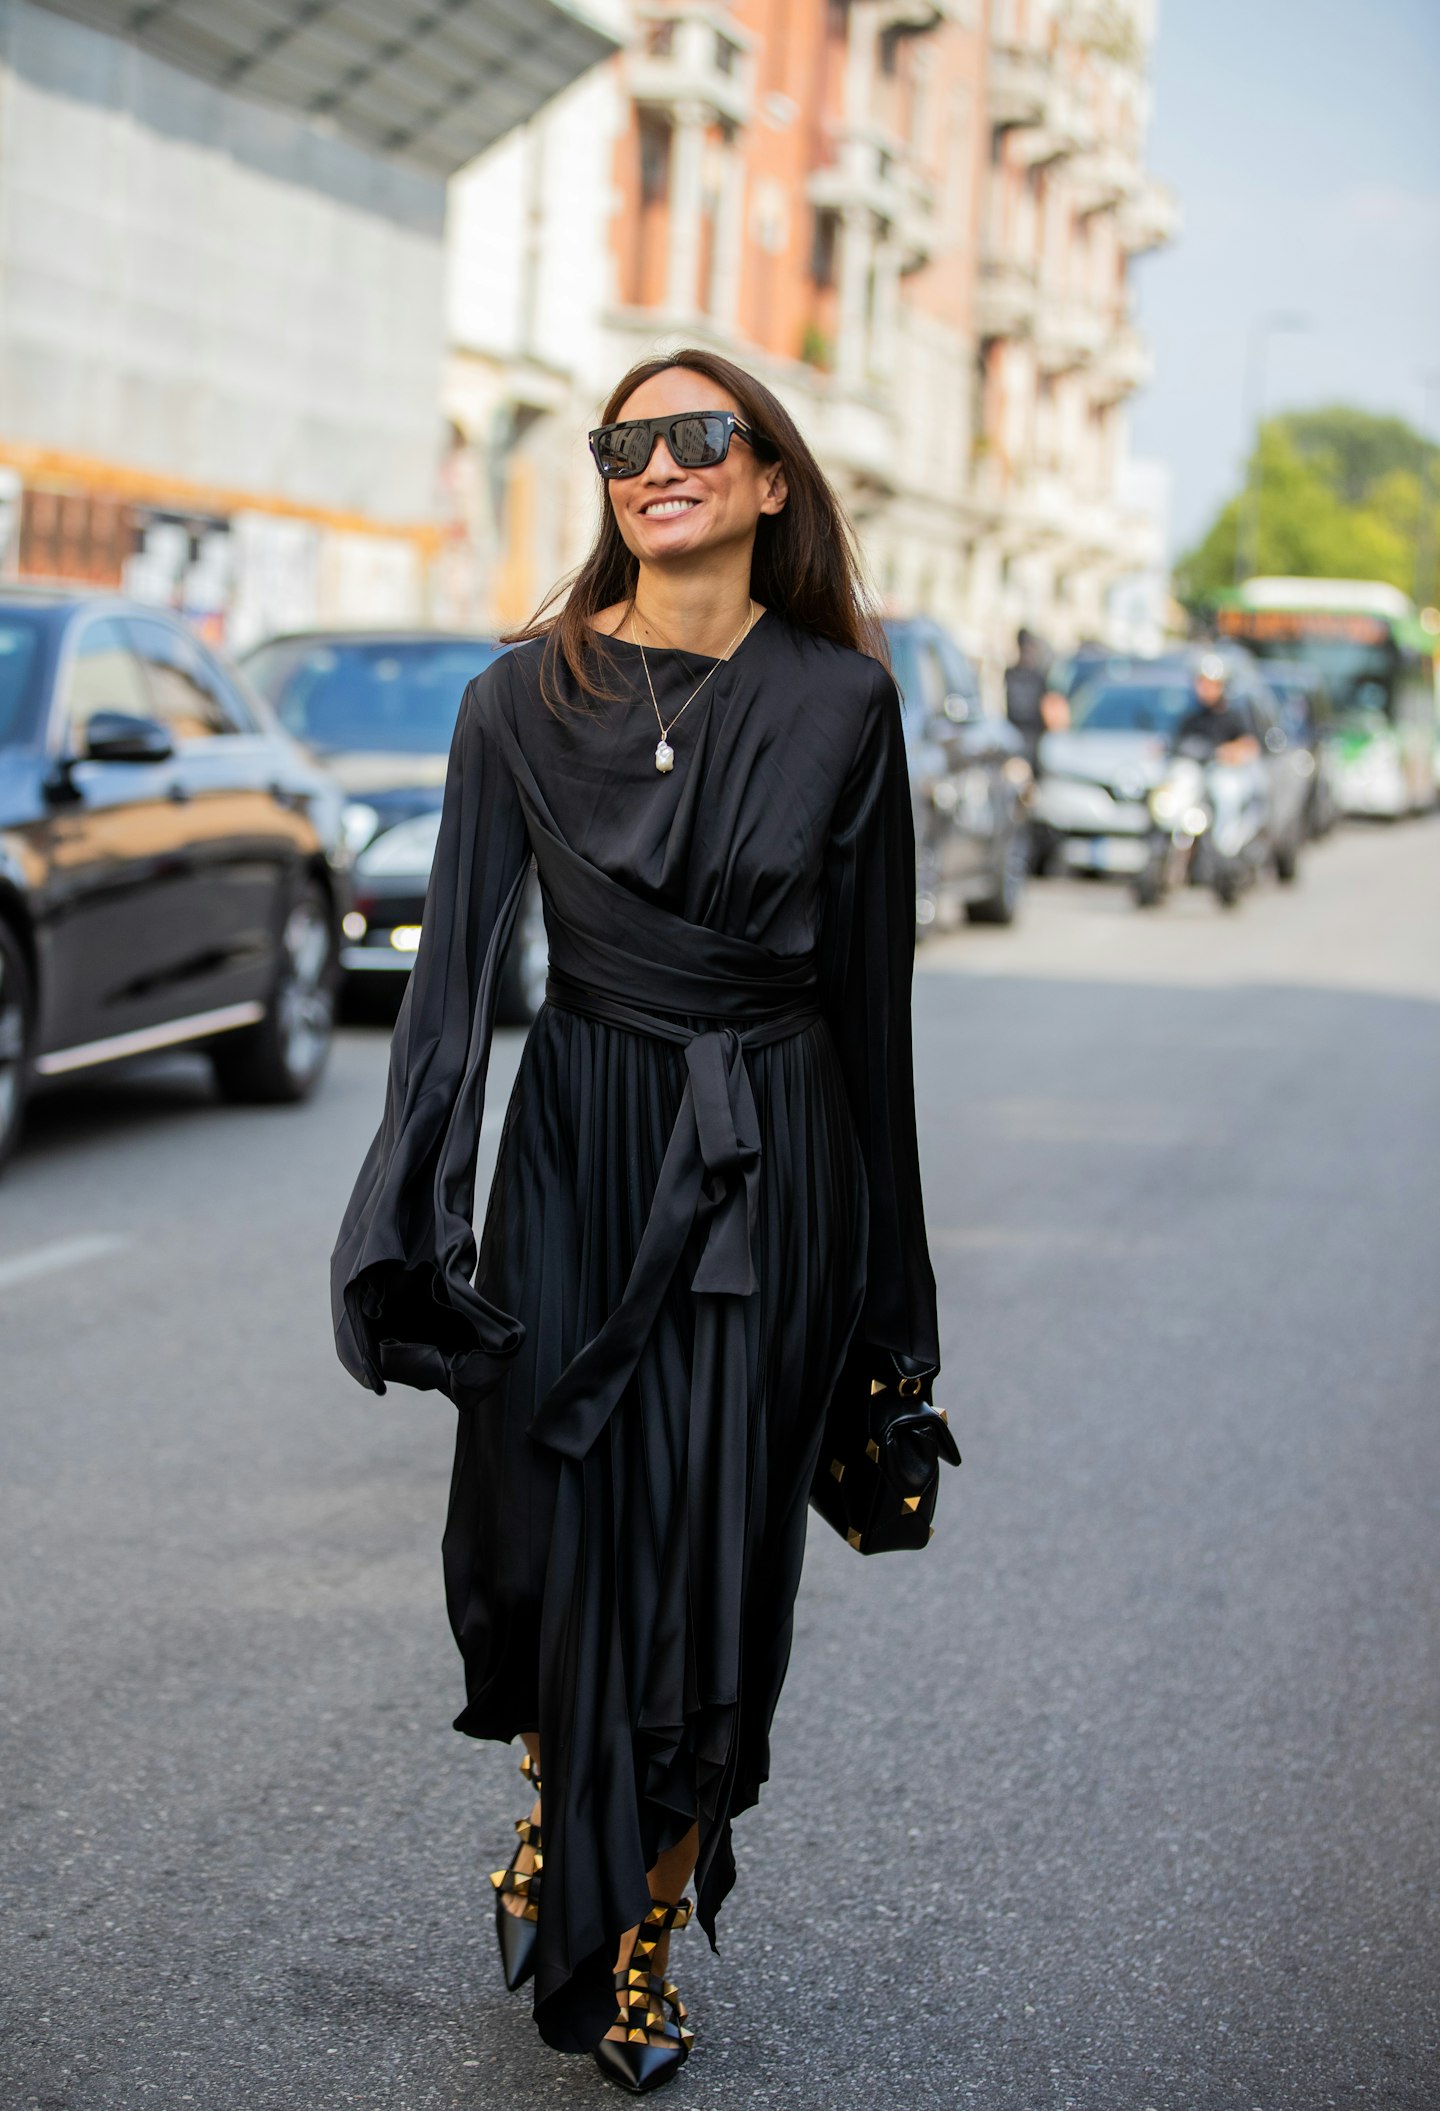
point(1303, 137)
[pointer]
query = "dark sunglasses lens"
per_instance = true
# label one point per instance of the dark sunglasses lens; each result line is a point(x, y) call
point(623, 450)
point(699, 442)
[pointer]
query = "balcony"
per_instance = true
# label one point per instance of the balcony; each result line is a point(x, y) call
point(1123, 364)
point(1104, 177)
point(854, 439)
point(694, 56)
point(1005, 299)
point(1150, 218)
point(1064, 127)
point(1067, 335)
point(871, 174)
point(1017, 85)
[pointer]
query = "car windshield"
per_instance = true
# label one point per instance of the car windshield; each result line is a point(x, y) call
point(391, 696)
point(1130, 707)
point(19, 656)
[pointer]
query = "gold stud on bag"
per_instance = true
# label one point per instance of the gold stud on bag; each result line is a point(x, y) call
point(884, 1443)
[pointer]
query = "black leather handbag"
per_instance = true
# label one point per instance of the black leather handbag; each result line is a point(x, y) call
point(879, 1468)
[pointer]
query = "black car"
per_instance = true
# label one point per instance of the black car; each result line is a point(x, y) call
point(377, 710)
point(969, 781)
point(173, 870)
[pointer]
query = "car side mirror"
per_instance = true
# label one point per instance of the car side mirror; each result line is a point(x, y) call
point(122, 736)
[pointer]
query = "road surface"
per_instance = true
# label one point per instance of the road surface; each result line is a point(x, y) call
point(1121, 1798)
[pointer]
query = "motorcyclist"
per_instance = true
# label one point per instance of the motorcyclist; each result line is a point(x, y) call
point(1213, 723)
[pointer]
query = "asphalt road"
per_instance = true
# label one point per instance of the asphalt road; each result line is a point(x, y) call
point(1123, 1796)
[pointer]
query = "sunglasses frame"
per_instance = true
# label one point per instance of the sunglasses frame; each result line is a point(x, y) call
point(663, 428)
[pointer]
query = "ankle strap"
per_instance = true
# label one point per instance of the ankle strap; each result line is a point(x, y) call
point(659, 1921)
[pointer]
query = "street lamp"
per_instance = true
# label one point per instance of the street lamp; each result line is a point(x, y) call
point(1247, 526)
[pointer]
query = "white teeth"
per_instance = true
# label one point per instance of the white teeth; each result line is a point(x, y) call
point(669, 505)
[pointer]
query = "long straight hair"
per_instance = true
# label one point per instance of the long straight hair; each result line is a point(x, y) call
point(806, 564)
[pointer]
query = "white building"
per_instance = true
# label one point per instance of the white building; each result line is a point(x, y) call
point(222, 274)
point(1065, 521)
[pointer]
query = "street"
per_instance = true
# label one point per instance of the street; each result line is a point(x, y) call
point(1121, 1798)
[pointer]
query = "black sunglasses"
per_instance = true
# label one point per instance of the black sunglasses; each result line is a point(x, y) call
point(697, 439)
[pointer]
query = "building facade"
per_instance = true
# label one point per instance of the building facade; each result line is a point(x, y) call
point(1068, 528)
point(796, 183)
point(222, 272)
point(912, 218)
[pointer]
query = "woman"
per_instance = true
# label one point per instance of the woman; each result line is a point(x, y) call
point(707, 1185)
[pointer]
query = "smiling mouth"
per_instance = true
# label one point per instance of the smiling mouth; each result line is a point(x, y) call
point(663, 508)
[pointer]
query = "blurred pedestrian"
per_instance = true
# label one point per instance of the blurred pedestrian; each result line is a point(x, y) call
point(1026, 687)
point(707, 1196)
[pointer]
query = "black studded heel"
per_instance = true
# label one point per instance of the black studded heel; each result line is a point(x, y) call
point(648, 2008)
point(516, 1932)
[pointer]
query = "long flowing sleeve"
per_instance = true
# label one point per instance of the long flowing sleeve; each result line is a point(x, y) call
point(402, 1292)
point(867, 955)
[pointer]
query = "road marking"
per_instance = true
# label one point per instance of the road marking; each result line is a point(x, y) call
point(62, 1253)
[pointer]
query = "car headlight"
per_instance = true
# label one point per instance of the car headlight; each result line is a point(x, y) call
point(359, 823)
point(1167, 802)
point(406, 851)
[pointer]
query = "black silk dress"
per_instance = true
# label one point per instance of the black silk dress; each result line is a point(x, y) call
point(707, 1185)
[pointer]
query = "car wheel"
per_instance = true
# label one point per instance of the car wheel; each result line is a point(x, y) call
point(17, 1033)
point(1149, 883)
point(1000, 907)
point(281, 1057)
point(527, 963)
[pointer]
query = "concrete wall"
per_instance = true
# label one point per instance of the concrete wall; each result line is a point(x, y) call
point(193, 284)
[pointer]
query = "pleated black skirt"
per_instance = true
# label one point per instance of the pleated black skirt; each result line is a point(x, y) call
point(635, 1606)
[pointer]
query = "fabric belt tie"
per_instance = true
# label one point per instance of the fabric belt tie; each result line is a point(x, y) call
point(709, 1179)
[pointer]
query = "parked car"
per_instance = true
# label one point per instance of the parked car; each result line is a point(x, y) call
point(1091, 802)
point(969, 780)
point(377, 710)
point(173, 871)
point(1308, 716)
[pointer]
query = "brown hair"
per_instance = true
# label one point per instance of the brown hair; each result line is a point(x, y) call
point(805, 566)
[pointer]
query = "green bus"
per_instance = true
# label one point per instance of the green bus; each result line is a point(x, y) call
point(1380, 663)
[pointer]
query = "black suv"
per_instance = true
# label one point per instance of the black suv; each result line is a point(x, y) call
point(969, 783)
point(377, 710)
point(173, 870)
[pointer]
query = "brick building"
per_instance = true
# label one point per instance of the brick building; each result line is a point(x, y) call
point(913, 218)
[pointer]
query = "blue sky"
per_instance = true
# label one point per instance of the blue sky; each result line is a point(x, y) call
point(1304, 139)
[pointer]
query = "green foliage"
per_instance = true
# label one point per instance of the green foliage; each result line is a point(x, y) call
point(1342, 495)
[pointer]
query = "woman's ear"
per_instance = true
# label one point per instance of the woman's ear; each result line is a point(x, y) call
point(777, 491)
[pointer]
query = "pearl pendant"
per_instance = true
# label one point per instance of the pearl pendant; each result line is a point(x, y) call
point(664, 756)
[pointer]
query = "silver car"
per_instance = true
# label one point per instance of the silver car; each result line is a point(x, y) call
point(1090, 808)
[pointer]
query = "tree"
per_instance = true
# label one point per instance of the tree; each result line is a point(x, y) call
point(1343, 494)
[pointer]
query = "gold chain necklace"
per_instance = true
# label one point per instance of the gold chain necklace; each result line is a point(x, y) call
point(664, 753)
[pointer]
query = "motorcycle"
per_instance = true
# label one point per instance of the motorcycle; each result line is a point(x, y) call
point(1179, 816)
point(1237, 845)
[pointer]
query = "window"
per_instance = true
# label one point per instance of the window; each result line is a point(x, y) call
point(654, 160)
point(186, 690)
point(823, 247)
point(104, 675)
